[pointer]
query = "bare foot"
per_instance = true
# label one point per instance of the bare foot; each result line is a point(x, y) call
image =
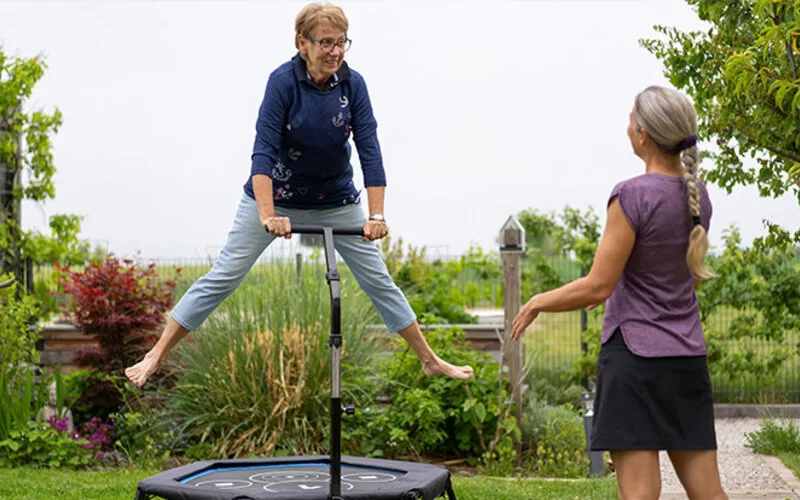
point(141, 371)
point(439, 367)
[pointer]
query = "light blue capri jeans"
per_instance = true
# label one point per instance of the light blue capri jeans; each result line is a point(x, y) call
point(248, 239)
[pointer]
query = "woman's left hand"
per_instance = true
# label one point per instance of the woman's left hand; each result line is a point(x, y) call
point(375, 230)
point(525, 317)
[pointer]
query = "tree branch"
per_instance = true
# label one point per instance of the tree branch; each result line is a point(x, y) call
point(789, 52)
point(792, 60)
point(779, 152)
point(748, 132)
point(784, 154)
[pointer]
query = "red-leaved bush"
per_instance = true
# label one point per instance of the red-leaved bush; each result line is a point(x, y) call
point(120, 302)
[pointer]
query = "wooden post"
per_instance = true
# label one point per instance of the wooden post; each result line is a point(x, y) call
point(513, 238)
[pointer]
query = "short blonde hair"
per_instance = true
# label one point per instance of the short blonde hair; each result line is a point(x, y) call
point(315, 14)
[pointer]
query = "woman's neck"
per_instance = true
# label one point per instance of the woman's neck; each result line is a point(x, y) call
point(659, 163)
point(318, 79)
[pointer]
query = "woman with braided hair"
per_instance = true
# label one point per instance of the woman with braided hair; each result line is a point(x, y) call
point(653, 387)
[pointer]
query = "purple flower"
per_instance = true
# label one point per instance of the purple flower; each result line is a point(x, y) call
point(59, 424)
point(99, 434)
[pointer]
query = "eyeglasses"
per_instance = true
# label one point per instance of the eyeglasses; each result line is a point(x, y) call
point(327, 44)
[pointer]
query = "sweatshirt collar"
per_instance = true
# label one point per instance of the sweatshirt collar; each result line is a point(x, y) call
point(302, 75)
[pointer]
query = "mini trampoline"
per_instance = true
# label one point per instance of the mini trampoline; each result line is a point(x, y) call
point(329, 477)
point(298, 478)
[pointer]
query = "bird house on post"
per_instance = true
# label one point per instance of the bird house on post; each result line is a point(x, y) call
point(512, 236)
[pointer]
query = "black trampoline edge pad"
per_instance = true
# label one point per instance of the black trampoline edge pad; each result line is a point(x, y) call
point(297, 478)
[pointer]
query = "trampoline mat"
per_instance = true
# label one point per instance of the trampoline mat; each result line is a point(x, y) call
point(297, 478)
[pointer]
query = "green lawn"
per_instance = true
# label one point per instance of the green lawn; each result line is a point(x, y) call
point(485, 488)
point(31, 484)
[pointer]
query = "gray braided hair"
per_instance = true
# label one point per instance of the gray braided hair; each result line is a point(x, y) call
point(670, 120)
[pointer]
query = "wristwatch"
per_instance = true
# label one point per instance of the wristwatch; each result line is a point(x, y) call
point(377, 217)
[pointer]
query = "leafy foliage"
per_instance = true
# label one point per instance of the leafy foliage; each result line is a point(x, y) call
point(556, 438)
point(26, 147)
point(571, 233)
point(145, 439)
point(119, 302)
point(760, 285)
point(95, 393)
point(743, 74)
point(16, 396)
point(773, 438)
point(255, 379)
point(18, 333)
point(432, 288)
point(439, 416)
point(41, 445)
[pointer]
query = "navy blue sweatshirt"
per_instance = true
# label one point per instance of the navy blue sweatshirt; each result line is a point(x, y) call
point(302, 138)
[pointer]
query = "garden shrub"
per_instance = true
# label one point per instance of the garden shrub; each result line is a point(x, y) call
point(554, 387)
point(773, 438)
point(432, 288)
point(122, 303)
point(42, 445)
point(555, 439)
point(438, 415)
point(94, 393)
point(255, 379)
point(145, 439)
point(17, 335)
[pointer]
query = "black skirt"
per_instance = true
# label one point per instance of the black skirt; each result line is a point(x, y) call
point(651, 403)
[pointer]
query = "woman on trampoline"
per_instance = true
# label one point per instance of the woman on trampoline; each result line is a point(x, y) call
point(301, 172)
point(653, 387)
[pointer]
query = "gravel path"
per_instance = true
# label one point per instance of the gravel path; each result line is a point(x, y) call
point(743, 472)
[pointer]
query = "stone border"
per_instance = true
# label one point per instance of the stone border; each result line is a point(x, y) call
point(785, 473)
point(756, 411)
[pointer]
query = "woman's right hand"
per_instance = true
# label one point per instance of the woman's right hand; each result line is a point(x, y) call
point(278, 226)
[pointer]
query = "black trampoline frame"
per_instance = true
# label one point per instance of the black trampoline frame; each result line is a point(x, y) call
point(178, 481)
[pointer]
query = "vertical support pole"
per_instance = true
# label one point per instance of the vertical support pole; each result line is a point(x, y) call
point(298, 262)
point(335, 342)
point(596, 465)
point(513, 238)
point(29, 275)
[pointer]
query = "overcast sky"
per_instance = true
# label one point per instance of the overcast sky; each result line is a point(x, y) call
point(484, 109)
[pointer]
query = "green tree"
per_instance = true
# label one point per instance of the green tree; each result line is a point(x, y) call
point(568, 239)
point(26, 148)
point(743, 73)
point(758, 291)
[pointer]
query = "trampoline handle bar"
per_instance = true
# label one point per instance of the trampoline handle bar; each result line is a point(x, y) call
point(349, 231)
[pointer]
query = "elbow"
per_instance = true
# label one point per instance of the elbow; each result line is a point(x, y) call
point(598, 291)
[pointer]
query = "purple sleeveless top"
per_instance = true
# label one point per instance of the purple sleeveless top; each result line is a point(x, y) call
point(653, 303)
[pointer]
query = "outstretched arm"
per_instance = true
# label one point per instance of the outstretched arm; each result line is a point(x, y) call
point(612, 253)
